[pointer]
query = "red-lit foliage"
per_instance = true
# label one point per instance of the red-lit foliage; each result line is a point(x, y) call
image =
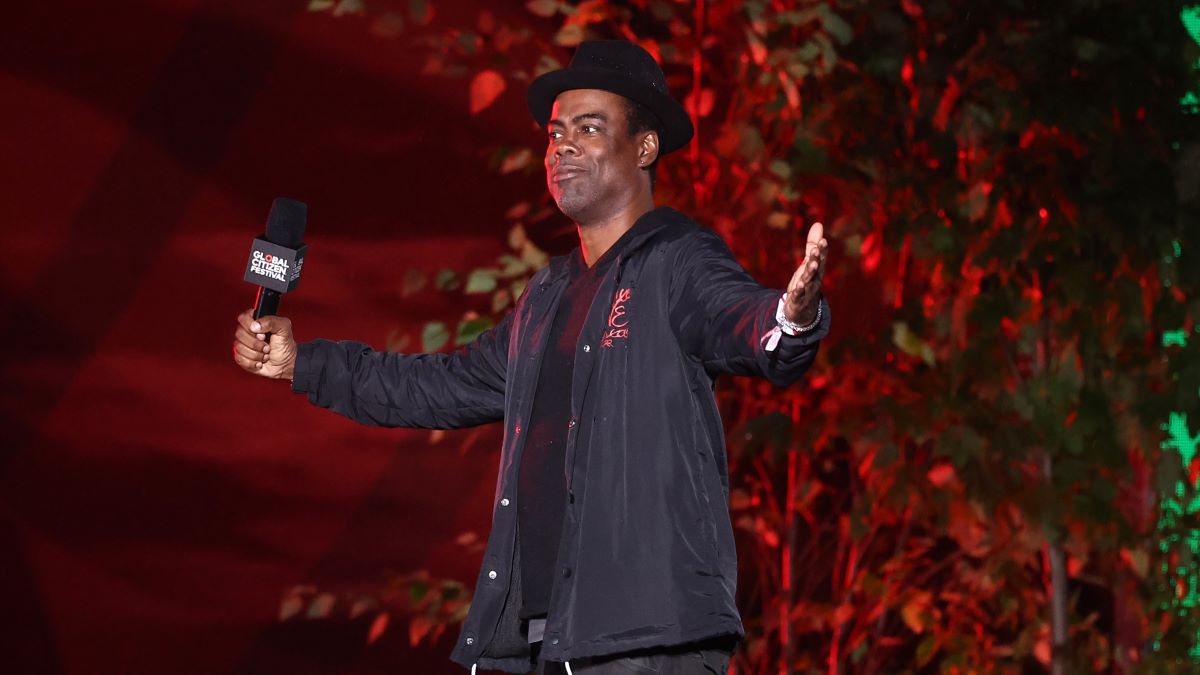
point(1005, 185)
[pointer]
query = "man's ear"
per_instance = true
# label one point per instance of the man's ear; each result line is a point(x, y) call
point(648, 149)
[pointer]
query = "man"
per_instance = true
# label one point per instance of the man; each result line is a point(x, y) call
point(611, 548)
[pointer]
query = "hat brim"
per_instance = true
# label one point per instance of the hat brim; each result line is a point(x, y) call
point(677, 125)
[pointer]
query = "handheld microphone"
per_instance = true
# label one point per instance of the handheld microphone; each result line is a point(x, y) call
point(276, 257)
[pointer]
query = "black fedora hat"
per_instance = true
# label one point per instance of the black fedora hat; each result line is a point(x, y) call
point(623, 68)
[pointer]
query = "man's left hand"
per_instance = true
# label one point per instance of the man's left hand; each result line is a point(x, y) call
point(804, 290)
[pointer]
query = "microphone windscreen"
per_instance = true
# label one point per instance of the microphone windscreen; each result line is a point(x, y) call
point(285, 225)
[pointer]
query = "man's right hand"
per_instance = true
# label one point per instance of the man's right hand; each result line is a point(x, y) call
point(275, 359)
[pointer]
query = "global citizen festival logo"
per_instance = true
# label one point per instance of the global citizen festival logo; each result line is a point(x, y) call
point(267, 265)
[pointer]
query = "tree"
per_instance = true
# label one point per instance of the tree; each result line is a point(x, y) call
point(967, 482)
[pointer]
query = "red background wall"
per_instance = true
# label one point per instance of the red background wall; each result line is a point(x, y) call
point(155, 502)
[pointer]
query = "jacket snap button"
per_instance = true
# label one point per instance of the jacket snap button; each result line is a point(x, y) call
point(504, 502)
point(492, 574)
point(470, 641)
point(587, 348)
point(571, 424)
point(554, 641)
point(566, 572)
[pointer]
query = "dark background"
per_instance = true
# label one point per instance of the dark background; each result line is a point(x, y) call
point(155, 502)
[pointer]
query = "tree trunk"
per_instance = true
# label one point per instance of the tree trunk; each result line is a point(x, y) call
point(1058, 595)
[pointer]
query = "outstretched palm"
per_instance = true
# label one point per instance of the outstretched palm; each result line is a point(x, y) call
point(804, 290)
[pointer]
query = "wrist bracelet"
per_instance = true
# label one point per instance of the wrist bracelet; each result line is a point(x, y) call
point(792, 328)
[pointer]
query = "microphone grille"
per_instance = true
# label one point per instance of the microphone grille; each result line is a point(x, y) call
point(285, 225)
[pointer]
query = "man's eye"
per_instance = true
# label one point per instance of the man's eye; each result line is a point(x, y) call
point(589, 129)
point(555, 135)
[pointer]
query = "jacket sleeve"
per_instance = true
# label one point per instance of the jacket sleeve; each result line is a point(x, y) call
point(436, 391)
point(723, 317)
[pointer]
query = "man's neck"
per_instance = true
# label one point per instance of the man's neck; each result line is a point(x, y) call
point(595, 238)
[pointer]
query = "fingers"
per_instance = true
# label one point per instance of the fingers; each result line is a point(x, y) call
point(246, 322)
point(796, 283)
point(246, 333)
point(807, 271)
point(250, 349)
point(815, 243)
point(246, 362)
point(272, 324)
point(240, 336)
point(815, 263)
point(807, 277)
point(816, 249)
point(816, 233)
point(249, 353)
point(806, 280)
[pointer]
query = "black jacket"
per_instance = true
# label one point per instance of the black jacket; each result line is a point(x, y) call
point(647, 552)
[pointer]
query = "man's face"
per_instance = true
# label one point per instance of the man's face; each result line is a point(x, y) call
point(591, 160)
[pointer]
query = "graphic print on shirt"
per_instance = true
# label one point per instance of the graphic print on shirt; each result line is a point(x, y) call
point(618, 321)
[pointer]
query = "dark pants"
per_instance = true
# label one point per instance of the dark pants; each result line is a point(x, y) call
point(709, 658)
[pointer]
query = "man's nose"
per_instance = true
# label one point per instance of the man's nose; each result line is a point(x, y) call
point(566, 147)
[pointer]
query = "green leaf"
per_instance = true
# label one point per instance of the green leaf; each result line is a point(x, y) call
point(569, 36)
point(417, 591)
point(414, 281)
point(388, 25)
point(543, 8)
point(779, 220)
point(470, 329)
point(500, 300)
point(910, 343)
point(926, 650)
point(751, 144)
point(435, 336)
point(800, 17)
point(321, 606)
point(469, 42)
point(513, 266)
point(808, 52)
point(859, 652)
point(481, 281)
point(349, 7)
point(420, 11)
point(809, 157)
point(517, 160)
point(290, 607)
point(836, 26)
point(975, 204)
point(546, 64)
point(962, 444)
point(534, 256)
point(446, 280)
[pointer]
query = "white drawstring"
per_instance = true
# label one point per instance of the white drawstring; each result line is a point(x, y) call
point(568, 665)
point(771, 340)
point(473, 666)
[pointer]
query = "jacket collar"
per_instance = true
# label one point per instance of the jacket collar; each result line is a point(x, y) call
point(648, 225)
